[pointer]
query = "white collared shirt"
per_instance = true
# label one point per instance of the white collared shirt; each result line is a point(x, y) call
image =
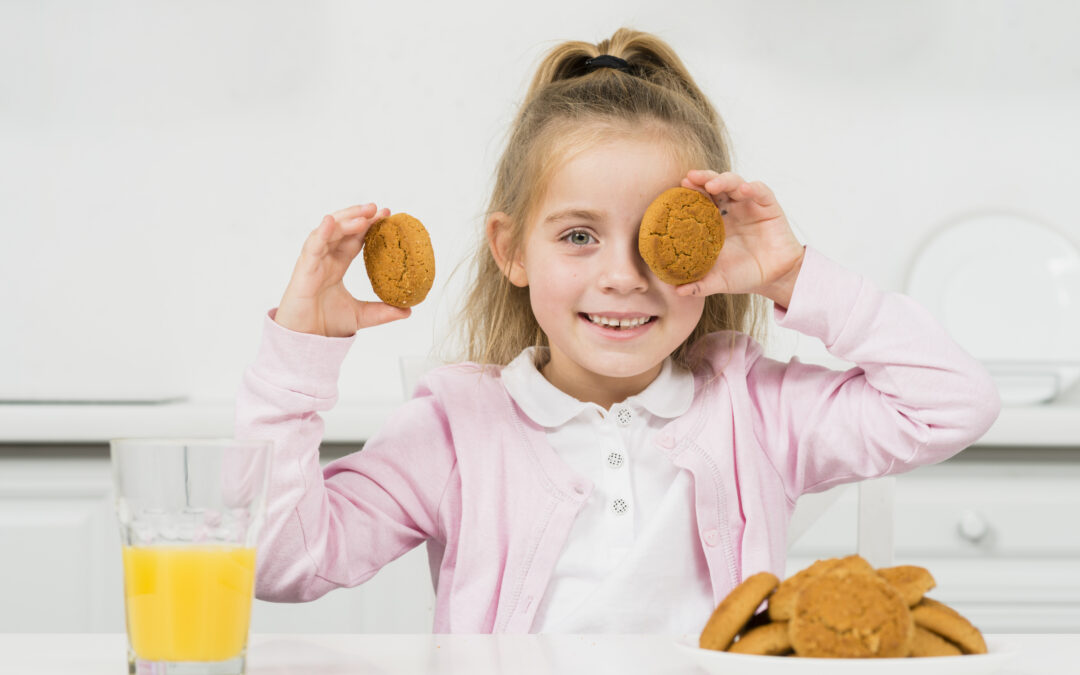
point(633, 561)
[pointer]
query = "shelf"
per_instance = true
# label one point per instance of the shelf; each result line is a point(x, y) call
point(1054, 424)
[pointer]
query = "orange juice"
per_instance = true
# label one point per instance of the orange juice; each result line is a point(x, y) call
point(188, 603)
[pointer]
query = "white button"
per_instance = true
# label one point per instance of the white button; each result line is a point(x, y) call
point(614, 459)
point(623, 416)
point(620, 506)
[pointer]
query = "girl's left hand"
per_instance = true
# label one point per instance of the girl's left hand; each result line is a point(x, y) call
point(760, 253)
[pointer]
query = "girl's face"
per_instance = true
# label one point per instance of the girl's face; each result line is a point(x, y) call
point(584, 272)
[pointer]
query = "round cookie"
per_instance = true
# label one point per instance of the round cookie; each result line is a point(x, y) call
point(735, 610)
point(911, 580)
point(680, 235)
point(851, 615)
point(949, 624)
point(399, 260)
point(852, 564)
point(770, 639)
point(782, 602)
point(929, 643)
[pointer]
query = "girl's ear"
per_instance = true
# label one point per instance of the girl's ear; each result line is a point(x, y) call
point(499, 239)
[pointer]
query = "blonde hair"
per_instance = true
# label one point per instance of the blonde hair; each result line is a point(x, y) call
point(566, 110)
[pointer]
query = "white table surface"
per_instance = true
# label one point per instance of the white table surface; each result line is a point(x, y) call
point(101, 653)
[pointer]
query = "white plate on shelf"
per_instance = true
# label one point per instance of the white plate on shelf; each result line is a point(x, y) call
point(1007, 288)
point(727, 663)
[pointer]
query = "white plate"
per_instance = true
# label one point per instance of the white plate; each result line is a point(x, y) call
point(1008, 290)
point(726, 663)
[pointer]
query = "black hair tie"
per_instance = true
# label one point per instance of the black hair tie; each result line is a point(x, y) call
point(606, 61)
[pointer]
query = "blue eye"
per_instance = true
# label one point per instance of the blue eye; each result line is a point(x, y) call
point(578, 237)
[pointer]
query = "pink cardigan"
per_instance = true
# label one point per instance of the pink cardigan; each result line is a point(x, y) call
point(460, 467)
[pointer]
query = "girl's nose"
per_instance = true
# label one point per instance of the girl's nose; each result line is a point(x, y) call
point(624, 271)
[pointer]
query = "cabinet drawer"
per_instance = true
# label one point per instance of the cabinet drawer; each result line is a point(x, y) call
point(1002, 540)
point(966, 510)
point(1021, 514)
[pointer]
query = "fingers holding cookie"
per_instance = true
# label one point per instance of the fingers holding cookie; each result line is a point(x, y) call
point(342, 232)
point(714, 184)
point(759, 193)
point(761, 253)
point(722, 187)
point(729, 187)
point(330, 249)
point(711, 179)
point(316, 300)
point(357, 210)
point(355, 220)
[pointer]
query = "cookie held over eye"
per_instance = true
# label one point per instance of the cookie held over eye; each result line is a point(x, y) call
point(681, 235)
point(399, 260)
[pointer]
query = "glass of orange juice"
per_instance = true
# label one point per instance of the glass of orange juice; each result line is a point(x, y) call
point(189, 513)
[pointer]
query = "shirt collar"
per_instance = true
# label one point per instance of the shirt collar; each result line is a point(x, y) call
point(669, 395)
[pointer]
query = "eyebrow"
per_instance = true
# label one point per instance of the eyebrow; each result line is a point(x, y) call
point(574, 214)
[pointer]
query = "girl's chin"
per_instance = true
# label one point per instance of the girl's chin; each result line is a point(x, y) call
point(626, 367)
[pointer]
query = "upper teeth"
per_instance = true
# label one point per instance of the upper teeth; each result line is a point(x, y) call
point(622, 323)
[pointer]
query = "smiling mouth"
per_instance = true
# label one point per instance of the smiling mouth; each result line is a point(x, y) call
point(617, 324)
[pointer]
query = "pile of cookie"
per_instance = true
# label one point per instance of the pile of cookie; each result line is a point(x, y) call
point(841, 608)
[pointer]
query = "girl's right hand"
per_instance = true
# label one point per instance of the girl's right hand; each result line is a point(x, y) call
point(316, 300)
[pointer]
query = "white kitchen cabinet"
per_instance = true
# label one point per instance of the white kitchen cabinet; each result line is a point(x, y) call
point(999, 532)
point(61, 570)
point(56, 570)
point(998, 528)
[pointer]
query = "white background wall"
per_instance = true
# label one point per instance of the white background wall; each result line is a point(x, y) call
point(162, 162)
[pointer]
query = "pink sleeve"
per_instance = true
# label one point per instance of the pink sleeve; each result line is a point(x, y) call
point(333, 527)
point(914, 397)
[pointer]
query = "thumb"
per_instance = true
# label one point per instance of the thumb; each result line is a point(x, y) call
point(370, 313)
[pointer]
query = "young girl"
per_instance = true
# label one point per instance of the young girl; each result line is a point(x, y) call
point(617, 454)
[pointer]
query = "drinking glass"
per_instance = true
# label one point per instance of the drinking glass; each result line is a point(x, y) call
point(189, 512)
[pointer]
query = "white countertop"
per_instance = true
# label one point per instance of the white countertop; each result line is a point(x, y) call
point(1053, 424)
point(97, 423)
point(101, 653)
